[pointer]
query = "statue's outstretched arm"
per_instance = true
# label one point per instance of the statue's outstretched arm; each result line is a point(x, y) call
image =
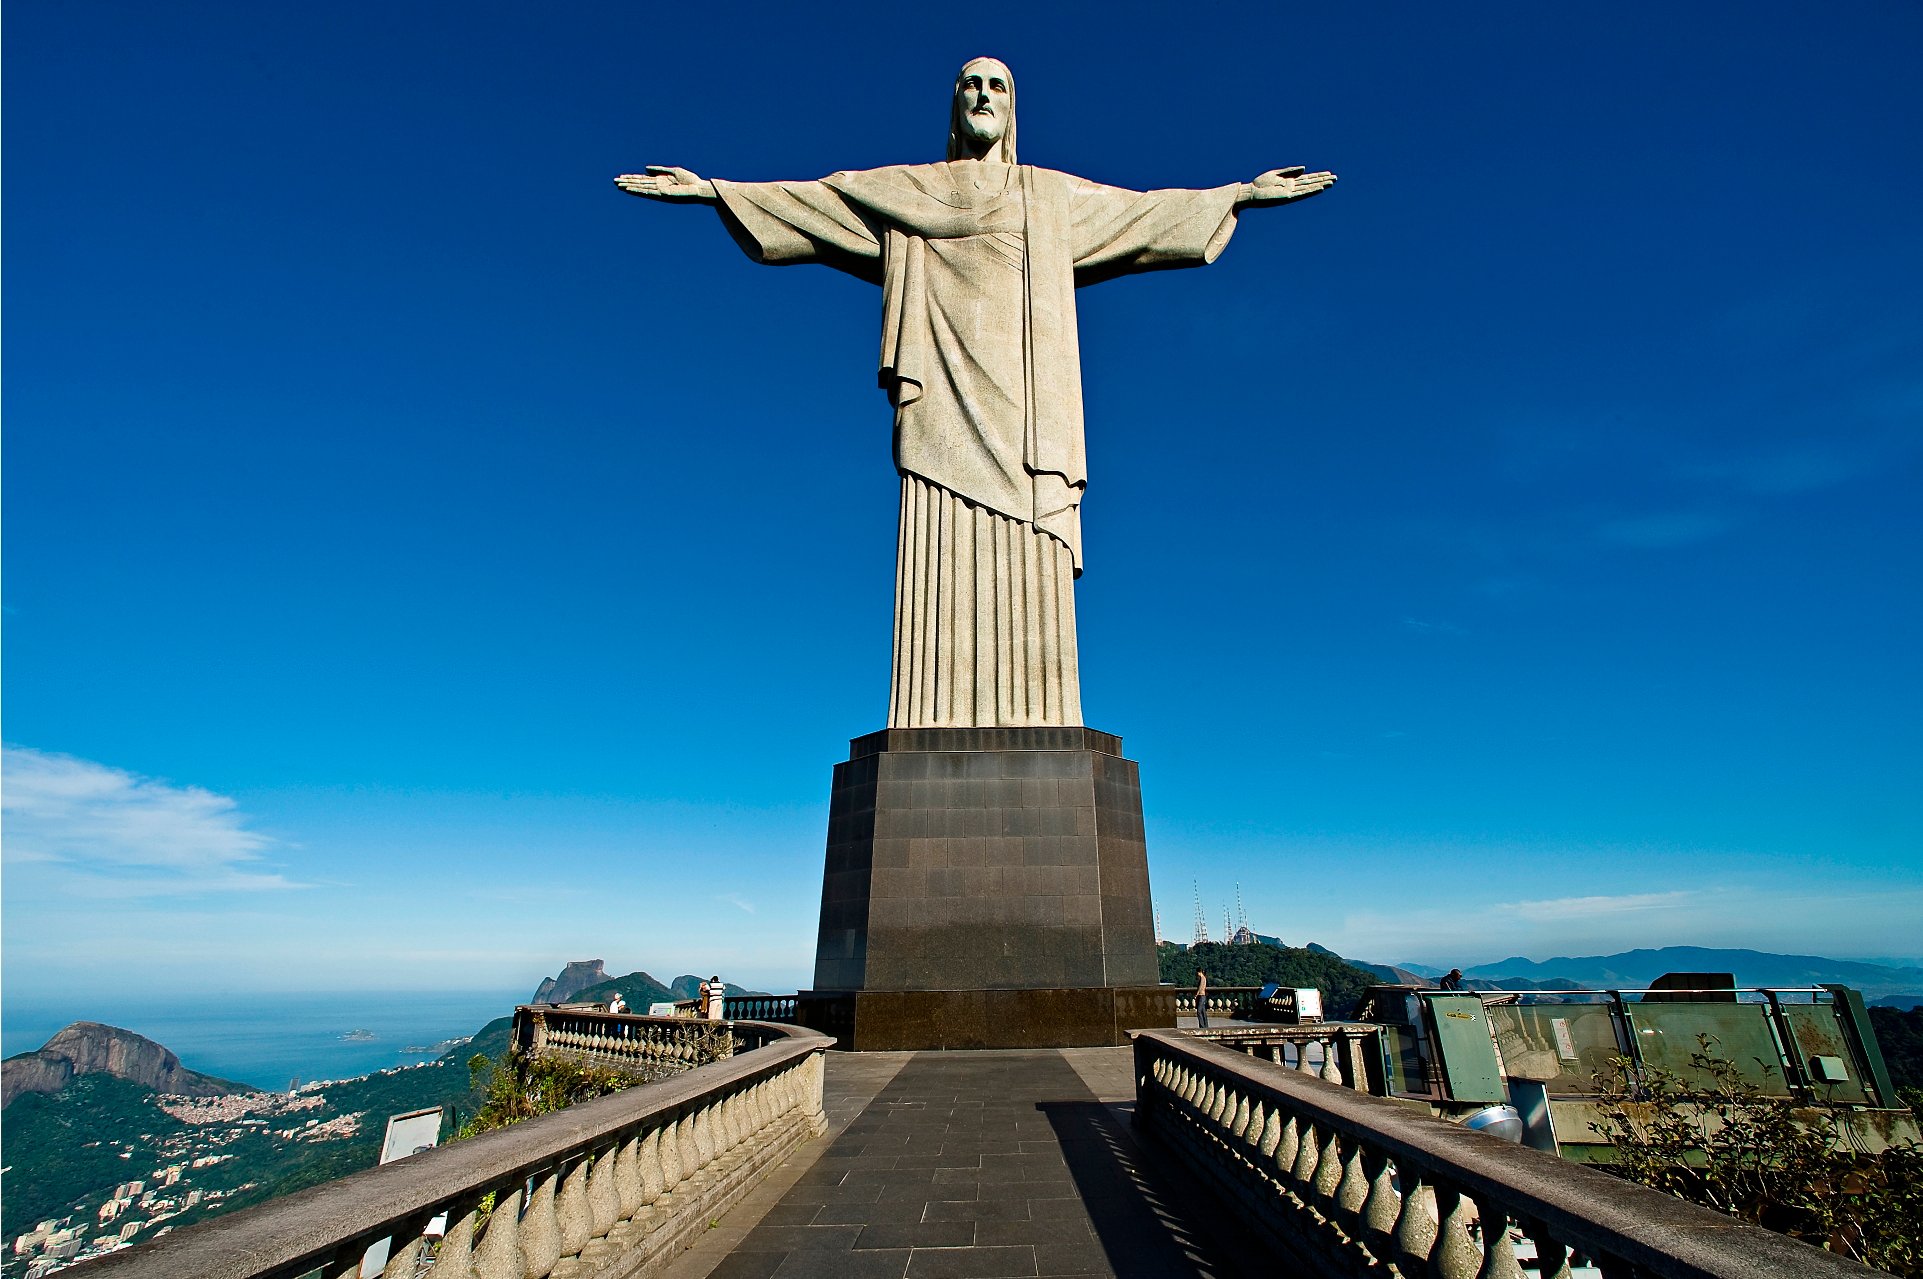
point(1281, 186)
point(664, 182)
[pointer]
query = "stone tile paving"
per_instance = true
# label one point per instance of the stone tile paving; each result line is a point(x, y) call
point(976, 1165)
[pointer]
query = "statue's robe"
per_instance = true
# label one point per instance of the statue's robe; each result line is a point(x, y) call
point(978, 265)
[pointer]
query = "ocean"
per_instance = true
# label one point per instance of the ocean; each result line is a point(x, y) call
point(268, 1040)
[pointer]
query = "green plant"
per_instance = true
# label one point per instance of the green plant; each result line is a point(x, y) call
point(1717, 1140)
point(520, 1087)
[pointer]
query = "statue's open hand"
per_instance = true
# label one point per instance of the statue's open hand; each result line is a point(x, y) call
point(1279, 186)
point(664, 182)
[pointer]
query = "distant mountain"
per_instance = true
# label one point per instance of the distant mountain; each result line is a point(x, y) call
point(89, 1048)
point(573, 979)
point(637, 990)
point(688, 986)
point(1636, 969)
point(1395, 975)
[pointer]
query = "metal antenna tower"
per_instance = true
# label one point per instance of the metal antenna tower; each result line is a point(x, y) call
point(1228, 925)
point(1158, 925)
point(1201, 920)
point(1241, 916)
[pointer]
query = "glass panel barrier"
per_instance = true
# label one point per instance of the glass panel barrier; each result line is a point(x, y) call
point(1668, 1032)
point(1566, 1047)
point(1818, 1033)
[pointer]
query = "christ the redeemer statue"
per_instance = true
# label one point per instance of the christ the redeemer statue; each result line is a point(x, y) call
point(978, 259)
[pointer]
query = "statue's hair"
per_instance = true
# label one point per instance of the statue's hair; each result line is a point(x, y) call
point(956, 149)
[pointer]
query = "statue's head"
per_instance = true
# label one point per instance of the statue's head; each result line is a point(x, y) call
point(983, 111)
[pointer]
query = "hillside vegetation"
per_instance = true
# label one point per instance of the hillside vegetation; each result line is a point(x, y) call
point(1340, 981)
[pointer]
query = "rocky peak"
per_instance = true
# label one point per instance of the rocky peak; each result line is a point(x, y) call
point(90, 1048)
point(573, 979)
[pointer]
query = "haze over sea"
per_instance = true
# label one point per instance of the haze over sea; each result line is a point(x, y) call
point(269, 1039)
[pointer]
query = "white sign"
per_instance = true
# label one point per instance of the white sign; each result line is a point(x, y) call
point(407, 1134)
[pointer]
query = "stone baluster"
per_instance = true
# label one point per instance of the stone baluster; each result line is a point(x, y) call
point(734, 1114)
point(1328, 1174)
point(345, 1261)
point(1378, 1226)
point(572, 1211)
point(1352, 1191)
point(1302, 1175)
point(1248, 1152)
point(1498, 1249)
point(647, 1166)
point(1239, 1121)
point(1271, 1138)
point(1331, 1066)
point(817, 1074)
point(1456, 1255)
point(1286, 1149)
point(690, 1150)
point(1552, 1255)
point(704, 1142)
point(499, 1254)
point(626, 1181)
point(766, 1092)
point(541, 1226)
point(405, 1247)
point(1302, 1062)
point(1415, 1233)
point(454, 1259)
point(668, 1146)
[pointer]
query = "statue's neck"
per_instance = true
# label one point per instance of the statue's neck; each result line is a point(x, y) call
point(993, 153)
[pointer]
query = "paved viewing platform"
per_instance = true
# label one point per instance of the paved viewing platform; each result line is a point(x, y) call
point(1018, 1162)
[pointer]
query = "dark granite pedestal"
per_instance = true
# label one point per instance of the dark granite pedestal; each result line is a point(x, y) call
point(985, 888)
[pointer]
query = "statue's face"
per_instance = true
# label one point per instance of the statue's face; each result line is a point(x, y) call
point(984, 101)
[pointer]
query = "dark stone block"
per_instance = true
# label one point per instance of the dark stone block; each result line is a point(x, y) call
point(1062, 1017)
point(989, 861)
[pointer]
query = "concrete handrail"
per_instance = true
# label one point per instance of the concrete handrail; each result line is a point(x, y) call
point(616, 1174)
point(1350, 1181)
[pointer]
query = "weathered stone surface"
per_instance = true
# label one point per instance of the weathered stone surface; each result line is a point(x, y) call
point(985, 887)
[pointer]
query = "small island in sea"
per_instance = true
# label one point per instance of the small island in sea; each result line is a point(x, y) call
point(360, 1036)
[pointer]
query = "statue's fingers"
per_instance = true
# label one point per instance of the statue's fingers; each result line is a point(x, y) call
point(661, 168)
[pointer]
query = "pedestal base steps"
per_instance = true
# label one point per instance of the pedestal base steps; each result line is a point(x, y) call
point(985, 887)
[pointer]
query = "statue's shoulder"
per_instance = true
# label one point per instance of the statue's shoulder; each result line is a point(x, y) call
point(917, 176)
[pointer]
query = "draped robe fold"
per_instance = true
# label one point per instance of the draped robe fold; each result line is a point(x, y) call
point(978, 265)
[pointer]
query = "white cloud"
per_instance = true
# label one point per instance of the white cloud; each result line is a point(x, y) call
point(109, 832)
point(737, 901)
point(1561, 909)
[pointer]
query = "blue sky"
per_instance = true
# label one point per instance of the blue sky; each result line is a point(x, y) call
point(425, 565)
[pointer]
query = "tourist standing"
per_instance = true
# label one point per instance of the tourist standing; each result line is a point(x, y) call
point(1201, 1000)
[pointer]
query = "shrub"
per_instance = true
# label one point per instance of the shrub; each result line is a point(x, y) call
point(1721, 1143)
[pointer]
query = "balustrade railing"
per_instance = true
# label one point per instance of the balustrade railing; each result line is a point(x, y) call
point(1346, 1053)
point(650, 1047)
point(606, 1186)
point(775, 1008)
point(1224, 1001)
point(1355, 1184)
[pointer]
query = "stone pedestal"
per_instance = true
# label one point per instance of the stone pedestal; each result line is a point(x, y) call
point(985, 887)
